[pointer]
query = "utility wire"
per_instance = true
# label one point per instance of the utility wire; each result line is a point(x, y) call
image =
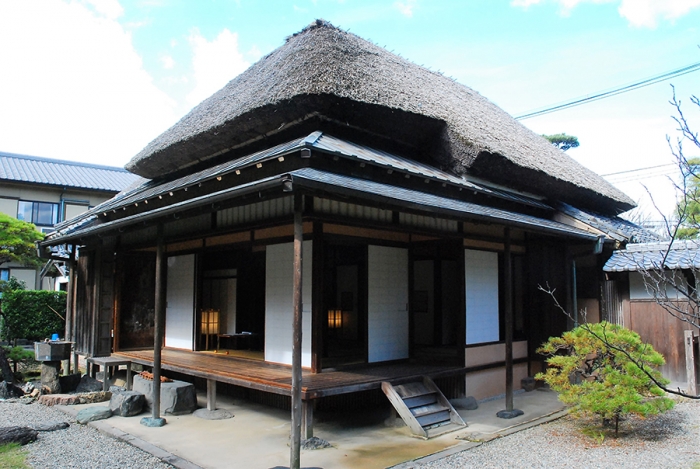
point(639, 169)
point(606, 94)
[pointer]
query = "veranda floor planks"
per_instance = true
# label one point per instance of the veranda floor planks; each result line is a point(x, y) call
point(277, 379)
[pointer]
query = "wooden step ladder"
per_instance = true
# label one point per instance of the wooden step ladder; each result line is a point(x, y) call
point(423, 407)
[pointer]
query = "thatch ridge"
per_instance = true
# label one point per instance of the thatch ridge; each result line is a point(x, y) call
point(322, 64)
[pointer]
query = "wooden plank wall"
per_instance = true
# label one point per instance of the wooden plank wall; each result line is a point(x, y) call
point(664, 332)
point(85, 284)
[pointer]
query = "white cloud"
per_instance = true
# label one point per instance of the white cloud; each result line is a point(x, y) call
point(167, 62)
point(77, 89)
point(639, 13)
point(214, 63)
point(646, 13)
point(406, 7)
point(110, 9)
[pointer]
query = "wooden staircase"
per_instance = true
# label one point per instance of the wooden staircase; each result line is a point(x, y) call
point(423, 407)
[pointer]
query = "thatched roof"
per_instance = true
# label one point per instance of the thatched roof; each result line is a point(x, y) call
point(335, 79)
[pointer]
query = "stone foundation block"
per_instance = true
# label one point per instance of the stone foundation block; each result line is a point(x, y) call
point(176, 397)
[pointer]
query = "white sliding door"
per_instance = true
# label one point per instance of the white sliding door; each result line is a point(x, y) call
point(279, 303)
point(179, 311)
point(481, 285)
point(387, 303)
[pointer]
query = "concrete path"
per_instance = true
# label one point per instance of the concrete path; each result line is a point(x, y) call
point(257, 436)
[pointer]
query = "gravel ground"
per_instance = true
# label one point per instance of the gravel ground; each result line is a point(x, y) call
point(78, 446)
point(671, 440)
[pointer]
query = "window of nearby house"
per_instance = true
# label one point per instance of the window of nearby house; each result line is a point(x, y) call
point(39, 213)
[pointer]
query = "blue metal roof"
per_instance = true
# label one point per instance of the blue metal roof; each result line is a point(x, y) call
point(48, 171)
point(654, 256)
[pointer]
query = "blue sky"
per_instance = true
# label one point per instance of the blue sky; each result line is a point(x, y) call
point(96, 80)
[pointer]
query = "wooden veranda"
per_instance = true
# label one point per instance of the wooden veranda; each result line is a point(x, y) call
point(277, 379)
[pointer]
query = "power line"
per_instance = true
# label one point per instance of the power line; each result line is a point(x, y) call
point(639, 169)
point(606, 94)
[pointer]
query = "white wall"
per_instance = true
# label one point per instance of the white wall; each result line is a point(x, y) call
point(179, 310)
point(387, 303)
point(638, 290)
point(481, 282)
point(279, 303)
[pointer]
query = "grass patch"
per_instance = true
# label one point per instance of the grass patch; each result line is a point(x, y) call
point(13, 456)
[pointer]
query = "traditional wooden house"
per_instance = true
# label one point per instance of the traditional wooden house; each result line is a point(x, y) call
point(428, 215)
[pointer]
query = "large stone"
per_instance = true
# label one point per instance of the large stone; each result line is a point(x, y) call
point(9, 390)
point(176, 397)
point(91, 414)
point(127, 403)
point(92, 397)
point(59, 399)
point(69, 383)
point(50, 372)
point(528, 383)
point(21, 435)
point(465, 403)
point(88, 384)
point(50, 426)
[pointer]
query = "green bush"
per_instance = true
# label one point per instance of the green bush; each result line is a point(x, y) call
point(595, 368)
point(33, 314)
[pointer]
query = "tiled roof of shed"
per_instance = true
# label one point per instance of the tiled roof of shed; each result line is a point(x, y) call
point(648, 256)
point(48, 171)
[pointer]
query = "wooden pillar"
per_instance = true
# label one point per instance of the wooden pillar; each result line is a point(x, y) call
point(74, 279)
point(159, 328)
point(690, 363)
point(295, 445)
point(508, 307)
point(211, 395)
point(308, 420)
point(68, 334)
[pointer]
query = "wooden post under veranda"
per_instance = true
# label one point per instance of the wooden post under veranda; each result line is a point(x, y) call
point(295, 445)
point(509, 411)
point(159, 321)
point(68, 334)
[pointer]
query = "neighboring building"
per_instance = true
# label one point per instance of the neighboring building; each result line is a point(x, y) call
point(45, 192)
point(655, 286)
point(428, 214)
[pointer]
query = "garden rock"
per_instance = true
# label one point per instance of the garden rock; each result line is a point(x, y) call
point(88, 384)
point(69, 383)
point(528, 383)
point(92, 414)
point(127, 403)
point(9, 390)
point(50, 377)
point(21, 435)
point(50, 426)
point(465, 403)
point(59, 399)
point(314, 443)
point(92, 397)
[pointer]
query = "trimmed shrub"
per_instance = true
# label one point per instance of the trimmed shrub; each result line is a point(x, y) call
point(597, 369)
point(33, 314)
